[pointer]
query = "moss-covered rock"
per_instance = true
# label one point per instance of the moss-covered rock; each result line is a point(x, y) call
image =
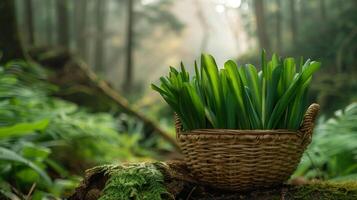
point(324, 190)
point(172, 180)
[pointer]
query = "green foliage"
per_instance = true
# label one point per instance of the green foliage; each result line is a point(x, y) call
point(8, 155)
point(39, 132)
point(22, 128)
point(239, 97)
point(137, 181)
point(326, 190)
point(333, 152)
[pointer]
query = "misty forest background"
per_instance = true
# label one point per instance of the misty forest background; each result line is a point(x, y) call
point(75, 79)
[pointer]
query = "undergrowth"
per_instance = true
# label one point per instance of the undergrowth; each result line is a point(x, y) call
point(137, 181)
point(46, 141)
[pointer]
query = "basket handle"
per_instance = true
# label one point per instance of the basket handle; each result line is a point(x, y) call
point(308, 122)
point(178, 125)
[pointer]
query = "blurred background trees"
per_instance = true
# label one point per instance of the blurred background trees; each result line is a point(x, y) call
point(106, 34)
point(130, 43)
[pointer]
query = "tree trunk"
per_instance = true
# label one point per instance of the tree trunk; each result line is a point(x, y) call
point(293, 23)
point(278, 27)
point(261, 25)
point(10, 42)
point(100, 35)
point(204, 25)
point(29, 22)
point(304, 11)
point(323, 10)
point(62, 23)
point(49, 22)
point(129, 47)
point(81, 25)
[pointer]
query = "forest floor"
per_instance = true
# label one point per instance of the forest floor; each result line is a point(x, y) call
point(172, 180)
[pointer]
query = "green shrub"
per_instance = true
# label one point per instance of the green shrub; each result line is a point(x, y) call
point(46, 140)
point(333, 151)
point(239, 97)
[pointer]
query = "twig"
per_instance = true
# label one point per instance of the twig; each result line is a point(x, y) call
point(189, 195)
point(314, 166)
point(283, 193)
point(18, 193)
point(31, 191)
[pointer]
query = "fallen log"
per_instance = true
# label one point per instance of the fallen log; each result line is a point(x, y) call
point(79, 83)
point(172, 180)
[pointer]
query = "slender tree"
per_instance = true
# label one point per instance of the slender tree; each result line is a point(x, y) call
point(278, 27)
point(323, 9)
point(293, 21)
point(81, 7)
point(204, 25)
point(261, 25)
point(304, 10)
point(49, 21)
point(62, 23)
point(29, 21)
point(129, 46)
point(10, 43)
point(100, 35)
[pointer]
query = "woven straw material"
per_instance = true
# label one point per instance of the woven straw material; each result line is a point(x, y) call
point(245, 159)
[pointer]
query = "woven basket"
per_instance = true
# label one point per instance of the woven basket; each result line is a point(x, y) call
point(245, 159)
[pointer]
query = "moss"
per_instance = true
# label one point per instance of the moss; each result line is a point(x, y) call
point(136, 181)
point(172, 180)
point(325, 190)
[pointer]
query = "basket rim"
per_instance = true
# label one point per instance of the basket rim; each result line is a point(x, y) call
point(240, 132)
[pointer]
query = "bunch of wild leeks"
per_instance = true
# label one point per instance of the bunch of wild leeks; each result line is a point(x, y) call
point(239, 97)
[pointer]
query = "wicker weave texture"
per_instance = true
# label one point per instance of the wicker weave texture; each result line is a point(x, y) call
point(245, 159)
